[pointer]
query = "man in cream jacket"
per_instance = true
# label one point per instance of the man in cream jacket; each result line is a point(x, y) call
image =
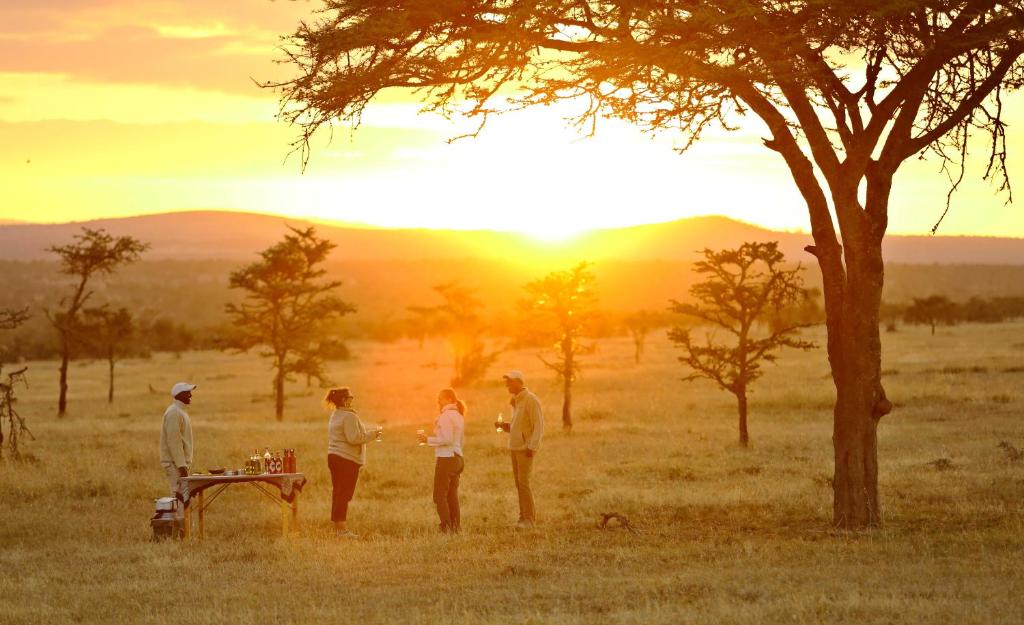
point(176, 437)
point(525, 431)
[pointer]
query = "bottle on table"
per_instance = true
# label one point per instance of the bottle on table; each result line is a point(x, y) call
point(266, 460)
point(295, 463)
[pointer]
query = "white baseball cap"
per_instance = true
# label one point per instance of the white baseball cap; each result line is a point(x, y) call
point(181, 387)
point(515, 374)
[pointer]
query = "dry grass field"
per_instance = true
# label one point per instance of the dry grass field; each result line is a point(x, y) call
point(727, 535)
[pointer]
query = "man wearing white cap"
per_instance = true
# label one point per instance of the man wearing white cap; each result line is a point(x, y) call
point(525, 431)
point(176, 436)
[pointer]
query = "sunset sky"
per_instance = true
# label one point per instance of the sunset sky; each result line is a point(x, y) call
point(112, 108)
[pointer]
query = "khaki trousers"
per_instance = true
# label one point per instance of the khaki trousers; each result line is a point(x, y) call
point(173, 482)
point(522, 468)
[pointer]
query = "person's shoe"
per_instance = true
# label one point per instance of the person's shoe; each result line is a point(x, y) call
point(524, 525)
point(345, 534)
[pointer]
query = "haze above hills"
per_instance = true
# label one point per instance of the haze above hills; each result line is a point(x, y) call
point(200, 235)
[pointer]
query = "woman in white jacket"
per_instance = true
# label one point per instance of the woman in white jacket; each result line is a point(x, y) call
point(449, 434)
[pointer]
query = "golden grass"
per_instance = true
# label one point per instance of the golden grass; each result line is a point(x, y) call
point(727, 535)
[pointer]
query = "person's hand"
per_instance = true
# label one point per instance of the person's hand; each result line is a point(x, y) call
point(182, 472)
point(529, 453)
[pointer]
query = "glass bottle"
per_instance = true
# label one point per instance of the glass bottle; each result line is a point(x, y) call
point(267, 460)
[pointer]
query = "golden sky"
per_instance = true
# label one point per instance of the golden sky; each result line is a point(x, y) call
point(117, 107)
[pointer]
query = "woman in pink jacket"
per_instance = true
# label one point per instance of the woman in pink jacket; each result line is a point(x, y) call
point(449, 433)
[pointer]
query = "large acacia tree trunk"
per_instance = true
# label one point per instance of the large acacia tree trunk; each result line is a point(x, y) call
point(856, 357)
point(853, 298)
point(852, 278)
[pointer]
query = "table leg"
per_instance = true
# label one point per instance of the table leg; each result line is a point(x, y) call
point(285, 517)
point(187, 520)
point(202, 514)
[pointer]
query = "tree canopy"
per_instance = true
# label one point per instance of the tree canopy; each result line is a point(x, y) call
point(839, 73)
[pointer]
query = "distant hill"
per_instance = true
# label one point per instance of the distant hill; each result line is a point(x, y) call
point(206, 235)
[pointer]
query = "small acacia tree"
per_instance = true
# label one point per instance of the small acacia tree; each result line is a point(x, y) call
point(559, 308)
point(423, 321)
point(740, 291)
point(848, 92)
point(93, 253)
point(932, 311)
point(460, 320)
point(287, 307)
point(889, 313)
point(16, 427)
point(107, 331)
point(639, 324)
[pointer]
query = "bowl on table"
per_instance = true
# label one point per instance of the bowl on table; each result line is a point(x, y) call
point(216, 470)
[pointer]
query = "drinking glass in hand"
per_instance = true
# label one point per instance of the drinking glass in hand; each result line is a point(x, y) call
point(499, 425)
point(380, 434)
point(419, 435)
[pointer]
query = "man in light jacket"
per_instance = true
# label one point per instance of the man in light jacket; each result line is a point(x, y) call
point(176, 437)
point(525, 431)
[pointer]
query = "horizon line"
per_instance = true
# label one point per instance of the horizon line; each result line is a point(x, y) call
point(355, 225)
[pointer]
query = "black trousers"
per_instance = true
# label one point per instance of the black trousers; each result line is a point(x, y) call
point(344, 474)
point(447, 472)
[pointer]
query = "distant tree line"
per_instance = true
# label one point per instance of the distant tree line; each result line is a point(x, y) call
point(939, 310)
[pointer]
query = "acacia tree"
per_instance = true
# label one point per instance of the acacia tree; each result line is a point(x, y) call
point(287, 307)
point(9, 320)
point(560, 307)
point(639, 324)
point(848, 92)
point(107, 331)
point(423, 321)
point(458, 318)
point(932, 311)
point(741, 290)
point(93, 253)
